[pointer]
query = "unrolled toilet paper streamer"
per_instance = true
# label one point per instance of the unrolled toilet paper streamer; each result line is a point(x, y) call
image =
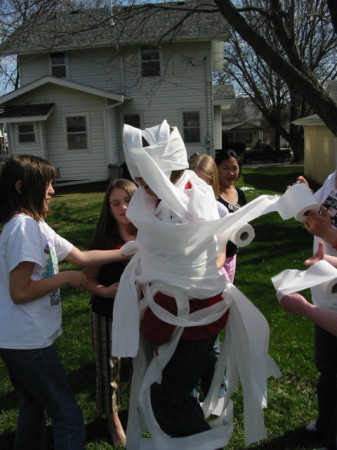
point(296, 202)
point(321, 274)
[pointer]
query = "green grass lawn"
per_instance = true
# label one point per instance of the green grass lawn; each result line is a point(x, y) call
point(278, 245)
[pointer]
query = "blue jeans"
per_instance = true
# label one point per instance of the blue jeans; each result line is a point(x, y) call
point(326, 364)
point(39, 379)
point(176, 410)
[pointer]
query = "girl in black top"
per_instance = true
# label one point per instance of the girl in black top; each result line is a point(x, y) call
point(229, 168)
point(113, 230)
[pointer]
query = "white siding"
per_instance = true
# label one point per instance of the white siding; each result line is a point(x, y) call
point(73, 164)
point(319, 152)
point(100, 68)
point(33, 67)
point(181, 87)
point(185, 85)
point(29, 148)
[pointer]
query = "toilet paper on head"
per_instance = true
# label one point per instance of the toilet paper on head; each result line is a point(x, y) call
point(321, 274)
point(296, 202)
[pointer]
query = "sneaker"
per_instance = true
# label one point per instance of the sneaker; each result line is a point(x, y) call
point(311, 428)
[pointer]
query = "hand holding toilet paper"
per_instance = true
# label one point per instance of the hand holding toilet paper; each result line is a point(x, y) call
point(321, 274)
point(296, 202)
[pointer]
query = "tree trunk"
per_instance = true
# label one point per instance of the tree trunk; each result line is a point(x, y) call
point(300, 79)
point(296, 142)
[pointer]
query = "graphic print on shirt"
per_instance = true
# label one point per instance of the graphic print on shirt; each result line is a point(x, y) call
point(50, 269)
point(330, 203)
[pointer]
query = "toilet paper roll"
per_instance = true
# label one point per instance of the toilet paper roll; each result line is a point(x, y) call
point(242, 236)
point(296, 202)
point(321, 274)
point(329, 288)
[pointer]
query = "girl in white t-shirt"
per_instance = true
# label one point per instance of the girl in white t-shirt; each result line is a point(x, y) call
point(30, 303)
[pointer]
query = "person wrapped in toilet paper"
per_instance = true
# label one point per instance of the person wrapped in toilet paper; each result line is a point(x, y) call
point(173, 289)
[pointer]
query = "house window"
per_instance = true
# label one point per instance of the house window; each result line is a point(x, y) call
point(150, 61)
point(132, 119)
point(191, 127)
point(26, 133)
point(77, 132)
point(58, 65)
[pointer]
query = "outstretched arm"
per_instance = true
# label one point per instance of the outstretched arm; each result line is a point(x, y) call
point(297, 304)
point(23, 289)
point(95, 257)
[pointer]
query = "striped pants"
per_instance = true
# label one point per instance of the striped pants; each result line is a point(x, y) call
point(108, 396)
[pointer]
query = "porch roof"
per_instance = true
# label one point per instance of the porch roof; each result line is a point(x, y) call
point(314, 119)
point(240, 126)
point(26, 113)
point(116, 98)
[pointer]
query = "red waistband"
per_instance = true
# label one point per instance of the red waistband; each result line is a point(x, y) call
point(159, 332)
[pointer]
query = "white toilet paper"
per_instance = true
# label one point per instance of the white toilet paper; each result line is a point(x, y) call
point(296, 202)
point(243, 235)
point(321, 274)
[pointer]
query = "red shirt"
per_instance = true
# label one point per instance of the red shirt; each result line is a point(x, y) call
point(159, 332)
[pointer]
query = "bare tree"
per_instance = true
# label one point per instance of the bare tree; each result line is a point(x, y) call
point(288, 64)
point(314, 42)
point(333, 12)
point(285, 60)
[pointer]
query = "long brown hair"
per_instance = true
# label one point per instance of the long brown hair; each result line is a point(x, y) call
point(34, 174)
point(106, 234)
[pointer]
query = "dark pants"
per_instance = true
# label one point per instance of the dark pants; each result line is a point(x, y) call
point(326, 364)
point(39, 379)
point(176, 410)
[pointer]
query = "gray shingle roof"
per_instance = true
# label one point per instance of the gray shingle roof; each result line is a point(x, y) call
point(137, 24)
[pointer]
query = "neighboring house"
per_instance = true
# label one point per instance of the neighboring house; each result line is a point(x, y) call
point(243, 122)
point(83, 74)
point(320, 144)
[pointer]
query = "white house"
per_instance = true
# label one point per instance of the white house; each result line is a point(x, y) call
point(83, 74)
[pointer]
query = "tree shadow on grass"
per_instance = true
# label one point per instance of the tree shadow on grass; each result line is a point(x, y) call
point(9, 400)
point(83, 379)
point(97, 430)
point(7, 441)
point(297, 439)
point(278, 182)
